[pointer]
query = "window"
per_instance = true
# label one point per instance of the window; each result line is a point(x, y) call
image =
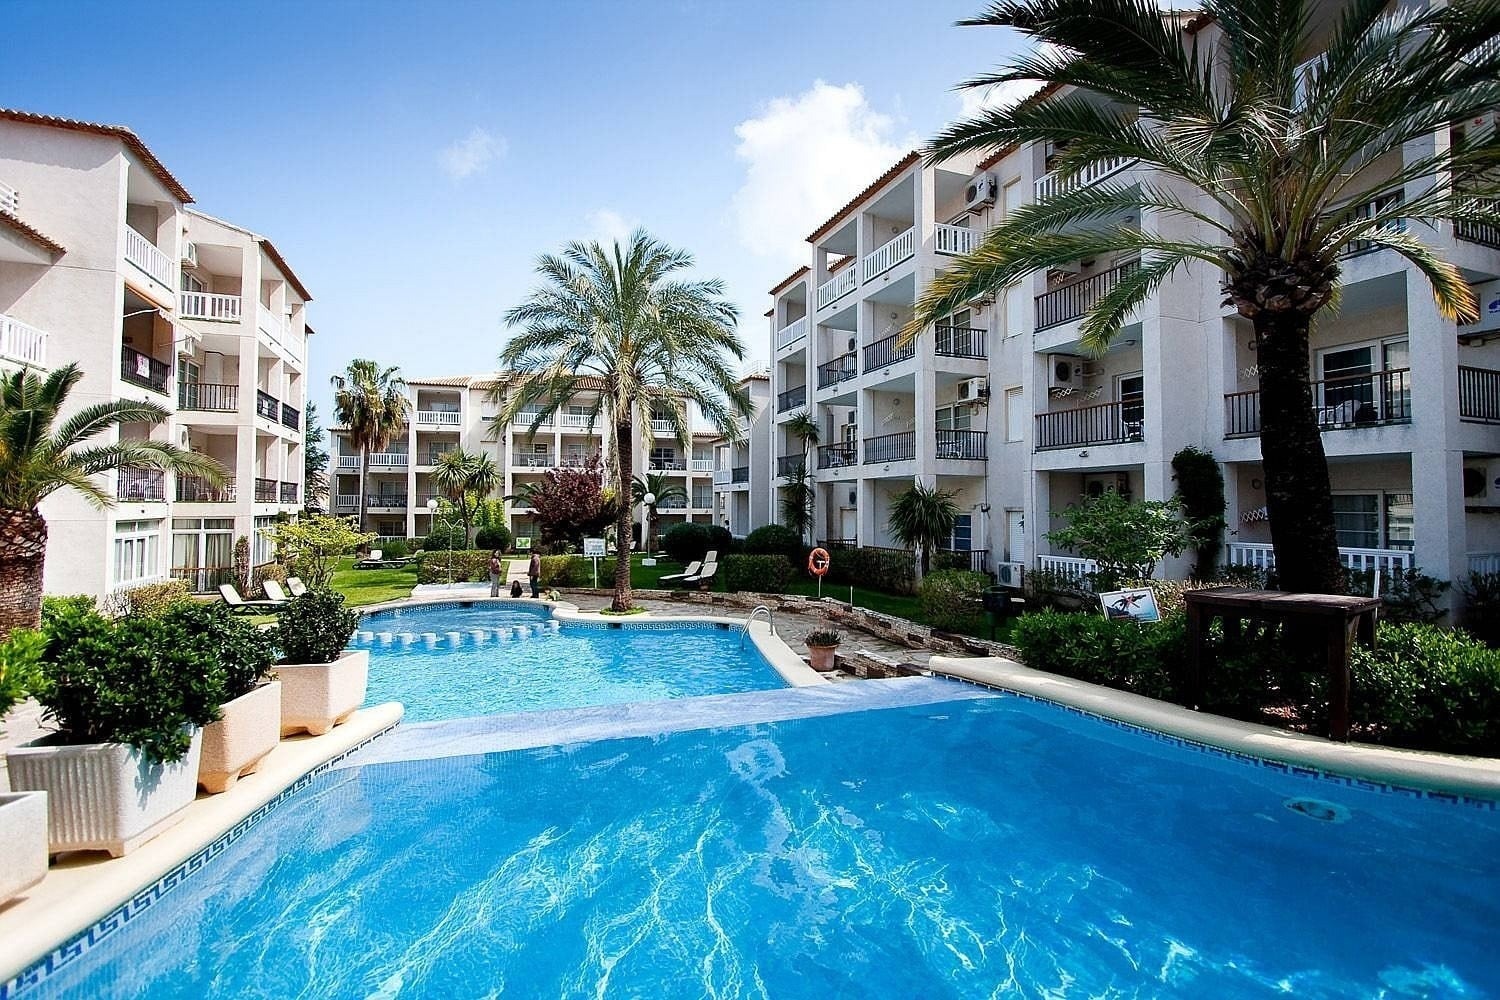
point(203, 551)
point(1130, 390)
point(953, 418)
point(663, 458)
point(1374, 520)
point(949, 342)
point(1015, 414)
point(962, 539)
point(1354, 389)
point(190, 283)
point(137, 552)
point(262, 548)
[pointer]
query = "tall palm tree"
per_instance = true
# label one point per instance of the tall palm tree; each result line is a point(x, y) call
point(654, 342)
point(40, 455)
point(797, 497)
point(659, 487)
point(462, 476)
point(1279, 148)
point(371, 401)
point(923, 517)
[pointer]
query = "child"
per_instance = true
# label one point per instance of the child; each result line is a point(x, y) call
point(515, 588)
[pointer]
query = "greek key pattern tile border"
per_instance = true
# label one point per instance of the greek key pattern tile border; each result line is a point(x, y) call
point(85, 941)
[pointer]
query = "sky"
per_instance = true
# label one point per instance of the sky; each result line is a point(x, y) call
point(411, 161)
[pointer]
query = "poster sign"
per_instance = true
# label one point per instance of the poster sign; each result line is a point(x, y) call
point(593, 548)
point(1130, 605)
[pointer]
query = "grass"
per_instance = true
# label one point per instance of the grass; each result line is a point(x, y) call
point(372, 586)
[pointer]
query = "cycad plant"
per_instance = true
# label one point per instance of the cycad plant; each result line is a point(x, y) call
point(923, 517)
point(41, 452)
point(1259, 135)
point(622, 322)
point(660, 488)
point(466, 479)
point(797, 497)
point(372, 403)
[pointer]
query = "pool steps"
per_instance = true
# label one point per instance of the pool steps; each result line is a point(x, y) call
point(450, 639)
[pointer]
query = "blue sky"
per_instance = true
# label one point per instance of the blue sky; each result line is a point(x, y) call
point(411, 160)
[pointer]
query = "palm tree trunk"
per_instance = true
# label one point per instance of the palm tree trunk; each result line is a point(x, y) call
point(625, 458)
point(23, 552)
point(1299, 501)
point(364, 474)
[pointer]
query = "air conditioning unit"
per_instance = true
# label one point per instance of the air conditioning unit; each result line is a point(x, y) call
point(980, 191)
point(1481, 485)
point(1108, 482)
point(1489, 310)
point(1064, 371)
point(1481, 124)
point(190, 253)
point(1009, 574)
point(973, 389)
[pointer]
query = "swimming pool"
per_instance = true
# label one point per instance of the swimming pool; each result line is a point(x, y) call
point(988, 846)
point(449, 661)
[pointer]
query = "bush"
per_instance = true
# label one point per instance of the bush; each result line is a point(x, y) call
point(686, 542)
point(719, 539)
point(1482, 606)
point(890, 570)
point(394, 549)
point(444, 538)
point(774, 540)
point(494, 537)
point(570, 571)
point(20, 655)
point(315, 627)
point(148, 599)
point(950, 599)
point(142, 681)
point(471, 566)
point(1145, 659)
point(764, 574)
point(1407, 596)
point(246, 653)
point(77, 604)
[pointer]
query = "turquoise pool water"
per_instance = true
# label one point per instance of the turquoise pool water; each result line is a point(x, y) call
point(972, 848)
point(454, 660)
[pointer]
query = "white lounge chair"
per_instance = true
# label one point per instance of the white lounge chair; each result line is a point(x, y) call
point(692, 570)
point(273, 591)
point(704, 577)
point(239, 605)
point(296, 586)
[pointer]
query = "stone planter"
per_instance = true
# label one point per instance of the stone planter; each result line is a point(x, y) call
point(235, 745)
point(821, 657)
point(315, 697)
point(23, 831)
point(105, 796)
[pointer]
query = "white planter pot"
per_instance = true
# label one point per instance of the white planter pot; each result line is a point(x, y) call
point(315, 697)
point(235, 745)
point(23, 831)
point(105, 796)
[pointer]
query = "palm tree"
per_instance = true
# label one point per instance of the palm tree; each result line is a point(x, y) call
point(660, 487)
point(654, 342)
point(371, 401)
point(797, 496)
point(460, 475)
point(923, 517)
point(1282, 149)
point(40, 455)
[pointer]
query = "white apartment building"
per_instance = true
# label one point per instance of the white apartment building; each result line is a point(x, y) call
point(461, 412)
point(742, 468)
point(102, 263)
point(1000, 403)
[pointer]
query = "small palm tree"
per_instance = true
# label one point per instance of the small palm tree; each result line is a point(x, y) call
point(797, 496)
point(923, 517)
point(39, 456)
point(659, 487)
point(621, 318)
point(1282, 129)
point(466, 479)
point(371, 401)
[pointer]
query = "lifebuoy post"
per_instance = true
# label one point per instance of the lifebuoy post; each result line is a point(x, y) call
point(818, 561)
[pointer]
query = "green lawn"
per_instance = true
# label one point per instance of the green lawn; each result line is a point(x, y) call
point(372, 586)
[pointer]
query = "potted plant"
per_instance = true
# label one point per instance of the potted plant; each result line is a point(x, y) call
point(129, 698)
point(23, 815)
point(322, 683)
point(822, 644)
point(249, 725)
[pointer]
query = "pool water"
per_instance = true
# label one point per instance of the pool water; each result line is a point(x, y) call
point(987, 847)
point(484, 659)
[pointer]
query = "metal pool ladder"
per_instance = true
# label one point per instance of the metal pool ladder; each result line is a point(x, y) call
point(745, 628)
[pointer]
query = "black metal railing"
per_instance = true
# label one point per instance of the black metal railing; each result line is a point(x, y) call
point(386, 501)
point(1062, 305)
point(144, 370)
point(891, 448)
point(791, 399)
point(959, 342)
point(133, 483)
point(1366, 210)
point(215, 396)
point(1105, 423)
point(740, 474)
point(203, 579)
point(1479, 394)
point(291, 417)
point(288, 492)
point(837, 456)
point(838, 370)
point(787, 465)
point(888, 351)
point(967, 445)
point(267, 405)
point(195, 489)
point(1483, 233)
point(1338, 403)
point(267, 490)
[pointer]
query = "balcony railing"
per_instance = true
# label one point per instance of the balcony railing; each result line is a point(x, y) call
point(961, 445)
point(289, 492)
point(662, 427)
point(740, 474)
point(348, 462)
point(194, 489)
point(346, 501)
point(1260, 555)
point(133, 483)
point(954, 239)
point(1068, 569)
point(837, 456)
point(1067, 303)
point(837, 287)
point(209, 306)
point(574, 460)
point(204, 579)
point(144, 370)
point(1484, 233)
point(959, 342)
point(791, 399)
point(703, 465)
point(10, 199)
point(218, 397)
point(291, 417)
point(1054, 184)
point(787, 465)
point(1105, 423)
point(267, 490)
point(838, 370)
point(1338, 403)
point(535, 460)
point(1479, 394)
point(524, 418)
point(888, 351)
point(22, 343)
point(1484, 563)
point(386, 501)
point(891, 448)
point(432, 456)
point(721, 477)
point(791, 333)
point(574, 420)
point(667, 465)
point(448, 418)
point(143, 254)
point(703, 501)
point(267, 405)
point(888, 256)
point(389, 460)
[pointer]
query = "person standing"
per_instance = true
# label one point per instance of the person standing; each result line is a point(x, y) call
point(495, 567)
point(534, 571)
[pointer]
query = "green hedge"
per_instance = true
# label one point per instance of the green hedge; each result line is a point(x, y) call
point(888, 570)
point(468, 567)
point(685, 542)
point(764, 574)
point(950, 599)
point(571, 571)
point(775, 539)
point(1144, 659)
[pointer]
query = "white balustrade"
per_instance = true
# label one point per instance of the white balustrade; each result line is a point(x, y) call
point(10, 199)
point(662, 427)
point(525, 418)
point(703, 465)
point(209, 306)
point(1070, 568)
point(349, 462)
point(792, 332)
point(446, 417)
point(899, 249)
point(346, 501)
point(722, 476)
point(389, 460)
point(1054, 184)
point(1262, 556)
point(143, 254)
point(837, 287)
point(22, 343)
point(954, 239)
point(575, 420)
point(1484, 562)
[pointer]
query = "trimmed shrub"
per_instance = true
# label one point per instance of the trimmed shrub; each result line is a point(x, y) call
point(719, 539)
point(471, 566)
point(20, 655)
point(1481, 606)
point(71, 604)
point(570, 571)
point(496, 536)
point(950, 599)
point(246, 653)
point(765, 574)
point(149, 599)
point(1144, 659)
point(686, 542)
point(444, 538)
point(888, 570)
point(315, 627)
point(773, 540)
point(395, 549)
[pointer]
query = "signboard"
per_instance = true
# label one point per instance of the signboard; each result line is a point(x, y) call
point(593, 548)
point(1130, 605)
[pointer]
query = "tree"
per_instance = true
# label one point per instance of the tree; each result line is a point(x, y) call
point(797, 496)
point(313, 544)
point(923, 517)
point(314, 462)
point(1281, 147)
point(41, 453)
point(371, 402)
point(661, 487)
point(623, 318)
point(1126, 538)
point(574, 503)
point(466, 479)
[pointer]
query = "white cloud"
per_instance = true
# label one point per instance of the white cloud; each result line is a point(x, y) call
point(804, 157)
point(472, 154)
point(608, 226)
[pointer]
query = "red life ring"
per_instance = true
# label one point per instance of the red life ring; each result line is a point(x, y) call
point(817, 562)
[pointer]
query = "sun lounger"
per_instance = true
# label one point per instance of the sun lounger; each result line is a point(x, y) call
point(376, 560)
point(273, 591)
point(704, 577)
point(692, 570)
point(296, 586)
point(239, 605)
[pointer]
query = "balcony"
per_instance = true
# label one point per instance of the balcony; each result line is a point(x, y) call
point(891, 448)
point(275, 327)
point(791, 399)
point(965, 446)
point(1478, 395)
point(534, 460)
point(267, 405)
point(215, 397)
point(791, 333)
point(959, 342)
point(902, 248)
point(291, 417)
point(954, 240)
point(386, 501)
point(1054, 184)
point(1484, 233)
point(789, 465)
point(438, 418)
point(10, 199)
point(289, 492)
point(837, 456)
point(667, 465)
point(840, 369)
point(348, 463)
point(132, 483)
point(267, 490)
point(346, 501)
point(22, 343)
point(1261, 556)
point(193, 489)
point(144, 370)
point(1366, 210)
point(389, 460)
point(703, 465)
point(888, 351)
point(574, 421)
point(1105, 423)
point(1339, 403)
point(144, 254)
point(1070, 301)
point(525, 418)
point(662, 428)
point(836, 287)
point(740, 474)
point(433, 456)
point(575, 460)
point(208, 306)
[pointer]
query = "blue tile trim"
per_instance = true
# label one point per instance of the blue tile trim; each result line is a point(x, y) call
point(80, 944)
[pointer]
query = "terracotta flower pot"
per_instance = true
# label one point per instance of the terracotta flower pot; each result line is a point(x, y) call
point(315, 697)
point(821, 657)
point(235, 745)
